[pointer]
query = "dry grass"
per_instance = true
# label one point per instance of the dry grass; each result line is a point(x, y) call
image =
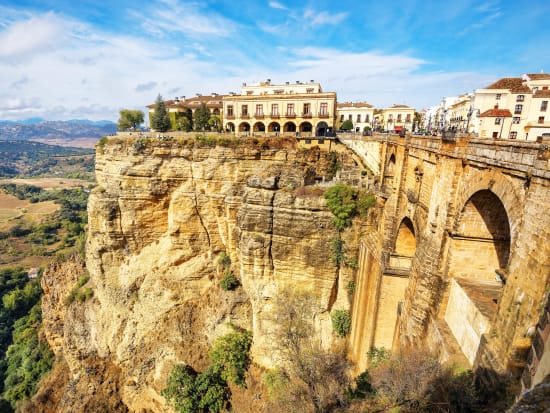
point(47, 183)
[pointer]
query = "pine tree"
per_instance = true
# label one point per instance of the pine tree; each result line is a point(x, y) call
point(160, 121)
point(202, 114)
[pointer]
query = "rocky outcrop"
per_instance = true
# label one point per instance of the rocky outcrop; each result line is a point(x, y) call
point(161, 215)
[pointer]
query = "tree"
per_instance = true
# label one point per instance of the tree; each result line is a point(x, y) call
point(347, 125)
point(202, 114)
point(130, 119)
point(310, 375)
point(160, 121)
point(214, 122)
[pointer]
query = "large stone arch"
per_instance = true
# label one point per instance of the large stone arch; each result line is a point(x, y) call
point(498, 184)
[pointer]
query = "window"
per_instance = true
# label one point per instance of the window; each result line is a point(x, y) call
point(259, 110)
point(520, 98)
point(498, 96)
point(358, 119)
point(495, 135)
point(513, 135)
point(518, 109)
point(324, 110)
point(249, 92)
point(275, 109)
point(390, 118)
point(341, 118)
point(229, 110)
point(543, 105)
point(309, 90)
point(541, 119)
point(399, 118)
point(497, 121)
point(307, 108)
point(367, 120)
point(515, 120)
point(244, 110)
point(408, 120)
point(290, 109)
point(349, 117)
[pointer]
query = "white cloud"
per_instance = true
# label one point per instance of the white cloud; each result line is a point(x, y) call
point(185, 18)
point(277, 5)
point(23, 40)
point(316, 18)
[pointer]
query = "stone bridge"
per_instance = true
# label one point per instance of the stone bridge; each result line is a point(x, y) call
point(456, 257)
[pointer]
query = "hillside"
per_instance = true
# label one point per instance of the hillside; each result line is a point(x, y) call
point(55, 130)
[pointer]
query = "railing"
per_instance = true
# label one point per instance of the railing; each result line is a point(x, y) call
point(245, 116)
point(324, 115)
point(306, 115)
point(229, 116)
point(290, 115)
point(259, 115)
point(275, 116)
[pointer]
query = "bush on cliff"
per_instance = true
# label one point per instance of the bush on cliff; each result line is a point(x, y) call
point(192, 392)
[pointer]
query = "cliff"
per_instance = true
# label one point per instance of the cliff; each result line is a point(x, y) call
point(163, 212)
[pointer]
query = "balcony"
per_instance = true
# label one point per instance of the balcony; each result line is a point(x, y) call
point(245, 116)
point(275, 116)
point(306, 115)
point(259, 115)
point(324, 115)
point(229, 116)
point(291, 115)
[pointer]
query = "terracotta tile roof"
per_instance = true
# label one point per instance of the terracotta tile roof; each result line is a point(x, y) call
point(513, 84)
point(400, 106)
point(496, 113)
point(538, 76)
point(542, 94)
point(355, 104)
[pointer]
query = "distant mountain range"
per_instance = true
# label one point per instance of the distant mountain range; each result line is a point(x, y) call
point(37, 128)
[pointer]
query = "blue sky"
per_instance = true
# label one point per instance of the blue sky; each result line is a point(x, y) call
point(66, 59)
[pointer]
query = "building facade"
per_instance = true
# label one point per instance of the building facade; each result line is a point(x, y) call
point(361, 114)
point(397, 118)
point(525, 98)
point(267, 109)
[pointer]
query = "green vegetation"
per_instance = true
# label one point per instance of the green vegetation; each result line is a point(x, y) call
point(61, 230)
point(223, 259)
point(341, 322)
point(201, 117)
point(229, 282)
point(34, 159)
point(345, 202)
point(160, 121)
point(130, 119)
point(79, 293)
point(208, 391)
point(24, 357)
point(347, 125)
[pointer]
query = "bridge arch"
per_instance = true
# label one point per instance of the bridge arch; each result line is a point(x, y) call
point(480, 244)
point(405, 241)
point(502, 188)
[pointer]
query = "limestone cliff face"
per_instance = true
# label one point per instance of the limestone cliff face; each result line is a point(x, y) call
point(159, 218)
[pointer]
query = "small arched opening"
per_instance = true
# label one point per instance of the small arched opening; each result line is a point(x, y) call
point(322, 129)
point(259, 127)
point(244, 127)
point(230, 127)
point(290, 127)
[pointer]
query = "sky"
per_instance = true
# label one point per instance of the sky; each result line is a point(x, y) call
point(85, 59)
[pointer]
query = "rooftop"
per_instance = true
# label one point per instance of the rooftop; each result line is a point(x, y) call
point(513, 84)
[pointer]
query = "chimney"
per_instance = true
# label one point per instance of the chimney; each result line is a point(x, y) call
point(198, 95)
point(496, 107)
point(312, 81)
point(244, 83)
point(268, 81)
point(287, 83)
point(297, 82)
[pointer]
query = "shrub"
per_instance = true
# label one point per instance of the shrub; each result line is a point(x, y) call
point(229, 356)
point(191, 392)
point(223, 259)
point(77, 293)
point(337, 247)
point(229, 282)
point(101, 143)
point(341, 202)
point(365, 201)
point(341, 322)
